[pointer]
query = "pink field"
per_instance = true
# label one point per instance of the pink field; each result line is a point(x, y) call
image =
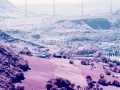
point(44, 69)
point(95, 73)
point(41, 71)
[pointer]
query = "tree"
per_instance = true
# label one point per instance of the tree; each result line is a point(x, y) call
point(104, 59)
point(71, 62)
point(92, 64)
point(111, 65)
point(78, 87)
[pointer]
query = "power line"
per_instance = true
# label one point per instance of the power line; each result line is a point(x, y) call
point(82, 7)
point(111, 6)
point(53, 7)
point(25, 8)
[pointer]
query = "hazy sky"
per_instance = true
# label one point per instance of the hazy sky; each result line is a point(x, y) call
point(45, 1)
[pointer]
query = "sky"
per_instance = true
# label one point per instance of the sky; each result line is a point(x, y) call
point(46, 1)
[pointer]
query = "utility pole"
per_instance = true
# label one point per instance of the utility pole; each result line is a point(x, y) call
point(82, 7)
point(111, 6)
point(53, 7)
point(25, 8)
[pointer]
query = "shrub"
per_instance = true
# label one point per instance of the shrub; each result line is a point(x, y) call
point(89, 81)
point(20, 88)
point(71, 62)
point(26, 52)
point(10, 69)
point(48, 86)
point(83, 62)
point(102, 81)
point(101, 88)
point(54, 88)
point(59, 83)
point(72, 85)
point(111, 65)
point(92, 64)
point(63, 88)
point(114, 61)
point(88, 77)
point(116, 83)
point(108, 72)
point(114, 68)
point(101, 75)
point(97, 86)
point(104, 59)
point(23, 65)
point(109, 83)
point(78, 87)
point(118, 63)
point(118, 70)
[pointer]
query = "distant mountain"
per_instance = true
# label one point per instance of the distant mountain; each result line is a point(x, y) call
point(6, 5)
point(8, 10)
point(4, 37)
point(97, 23)
point(116, 14)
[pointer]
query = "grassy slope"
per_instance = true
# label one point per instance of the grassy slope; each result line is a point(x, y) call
point(45, 69)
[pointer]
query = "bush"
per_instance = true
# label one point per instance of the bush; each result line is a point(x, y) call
point(92, 64)
point(78, 87)
point(118, 63)
point(59, 83)
point(83, 62)
point(116, 83)
point(104, 59)
point(101, 75)
point(115, 69)
point(109, 83)
point(97, 86)
point(10, 68)
point(89, 81)
point(114, 61)
point(118, 70)
point(111, 65)
point(23, 65)
point(71, 62)
point(26, 52)
point(63, 88)
point(102, 81)
point(48, 86)
point(20, 88)
point(101, 88)
point(108, 72)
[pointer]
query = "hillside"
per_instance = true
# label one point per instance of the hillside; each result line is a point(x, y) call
point(47, 69)
point(8, 10)
point(4, 37)
point(12, 66)
point(61, 35)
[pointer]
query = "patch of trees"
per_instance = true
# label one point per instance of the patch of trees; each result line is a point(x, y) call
point(86, 51)
point(59, 83)
point(73, 53)
point(104, 82)
point(12, 66)
point(26, 52)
